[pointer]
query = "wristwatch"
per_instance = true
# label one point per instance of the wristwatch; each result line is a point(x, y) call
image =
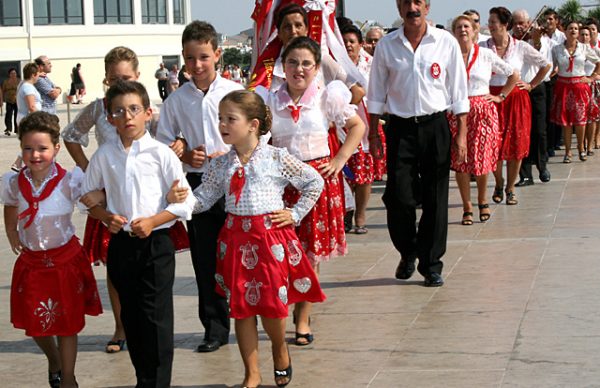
point(503, 96)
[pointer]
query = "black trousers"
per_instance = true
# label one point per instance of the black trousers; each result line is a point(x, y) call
point(418, 164)
point(10, 117)
point(143, 271)
point(554, 132)
point(538, 147)
point(203, 231)
point(163, 92)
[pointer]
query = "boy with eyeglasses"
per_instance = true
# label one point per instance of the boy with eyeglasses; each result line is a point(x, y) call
point(137, 172)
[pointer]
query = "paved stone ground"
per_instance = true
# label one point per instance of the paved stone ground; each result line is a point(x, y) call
point(519, 308)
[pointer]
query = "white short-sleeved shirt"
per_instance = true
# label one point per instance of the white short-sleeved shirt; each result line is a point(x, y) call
point(188, 112)
point(517, 54)
point(583, 53)
point(407, 82)
point(529, 71)
point(481, 71)
point(27, 89)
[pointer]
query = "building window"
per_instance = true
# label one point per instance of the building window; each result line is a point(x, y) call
point(178, 12)
point(46, 12)
point(10, 13)
point(154, 11)
point(113, 12)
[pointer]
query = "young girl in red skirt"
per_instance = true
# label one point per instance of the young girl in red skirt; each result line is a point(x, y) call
point(53, 286)
point(261, 266)
point(302, 111)
point(120, 63)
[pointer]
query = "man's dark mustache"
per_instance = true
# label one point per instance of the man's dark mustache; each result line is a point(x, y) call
point(413, 14)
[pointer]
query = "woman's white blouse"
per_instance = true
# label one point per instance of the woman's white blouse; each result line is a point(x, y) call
point(267, 173)
point(487, 62)
point(52, 226)
point(307, 139)
point(583, 53)
point(517, 54)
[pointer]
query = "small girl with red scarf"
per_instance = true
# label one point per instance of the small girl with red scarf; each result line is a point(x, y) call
point(53, 286)
point(261, 266)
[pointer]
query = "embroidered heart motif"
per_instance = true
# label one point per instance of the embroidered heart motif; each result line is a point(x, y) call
point(283, 294)
point(302, 285)
point(278, 252)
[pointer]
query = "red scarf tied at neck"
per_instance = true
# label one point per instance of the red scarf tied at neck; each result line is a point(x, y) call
point(33, 201)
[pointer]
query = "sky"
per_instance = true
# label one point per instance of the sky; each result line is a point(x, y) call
point(232, 16)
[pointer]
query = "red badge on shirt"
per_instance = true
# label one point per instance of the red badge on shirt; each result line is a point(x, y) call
point(436, 70)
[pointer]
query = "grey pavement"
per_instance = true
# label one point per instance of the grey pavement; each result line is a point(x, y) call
point(519, 307)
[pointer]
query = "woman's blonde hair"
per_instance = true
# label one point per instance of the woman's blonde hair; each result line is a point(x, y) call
point(468, 18)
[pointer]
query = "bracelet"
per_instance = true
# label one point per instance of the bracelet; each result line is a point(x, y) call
point(503, 96)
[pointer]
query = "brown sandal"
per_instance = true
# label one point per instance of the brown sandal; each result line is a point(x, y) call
point(511, 198)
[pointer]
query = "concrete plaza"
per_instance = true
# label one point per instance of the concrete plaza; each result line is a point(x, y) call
point(519, 307)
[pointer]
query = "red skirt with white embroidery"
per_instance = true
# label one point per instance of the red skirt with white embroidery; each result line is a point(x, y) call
point(96, 238)
point(322, 230)
point(594, 108)
point(379, 165)
point(261, 269)
point(570, 102)
point(482, 138)
point(514, 117)
point(52, 290)
point(361, 165)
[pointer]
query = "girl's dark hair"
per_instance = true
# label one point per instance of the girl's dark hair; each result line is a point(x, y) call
point(504, 15)
point(288, 10)
point(121, 88)
point(40, 121)
point(303, 42)
point(30, 70)
point(352, 29)
point(590, 21)
point(253, 107)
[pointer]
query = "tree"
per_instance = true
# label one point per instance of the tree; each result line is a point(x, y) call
point(594, 13)
point(234, 56)
point(571, 10)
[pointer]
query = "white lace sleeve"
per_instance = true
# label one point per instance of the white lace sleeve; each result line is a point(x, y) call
point(212, 186)
point(304, 178)
point(78, 130)
point(9, 189)
point(76, 183)
point(337, 103)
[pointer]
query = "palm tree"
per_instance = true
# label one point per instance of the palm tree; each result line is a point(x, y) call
point(571, 10)
point(594, 13)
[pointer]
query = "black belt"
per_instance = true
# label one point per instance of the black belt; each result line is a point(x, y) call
point(132, 235)
point(195, 174)
point(424, 118)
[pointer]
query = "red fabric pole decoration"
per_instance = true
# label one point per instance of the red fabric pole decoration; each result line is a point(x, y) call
point(32, 201)
point(237, 184)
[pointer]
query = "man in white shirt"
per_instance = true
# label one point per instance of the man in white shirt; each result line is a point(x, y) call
point(551, 27)
point(417, 74)
point(192, 113)
point(538, 145)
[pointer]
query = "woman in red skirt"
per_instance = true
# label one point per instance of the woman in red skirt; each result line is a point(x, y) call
point(261, 266)
point(572, 93)
point(482, 121)
point(514, 111)
point(53, 286)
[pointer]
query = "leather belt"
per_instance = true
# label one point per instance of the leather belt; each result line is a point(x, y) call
point(424, 118)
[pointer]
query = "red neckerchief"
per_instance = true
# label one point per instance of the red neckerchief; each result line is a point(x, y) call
point(295, 111)
point(27, 192)
point(571, 58)
point(237, 183)
point(472, 62)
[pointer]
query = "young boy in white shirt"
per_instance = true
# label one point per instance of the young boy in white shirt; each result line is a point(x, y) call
point(192, 111)
point(137, 172)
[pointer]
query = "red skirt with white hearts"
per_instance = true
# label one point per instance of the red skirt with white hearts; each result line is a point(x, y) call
point(96, 238)
point(53, 290)
point(261, 269)
point(361, 165)
point(379, 165)
point(321, 232)
point(514, 116)
point(482, 138)
point(570, 102)
point(594, 108)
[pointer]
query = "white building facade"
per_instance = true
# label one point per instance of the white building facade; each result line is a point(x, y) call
point(83, 31)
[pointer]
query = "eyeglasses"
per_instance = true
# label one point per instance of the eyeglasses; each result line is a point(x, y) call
point(305, 65)
point(133, 110)
point(372, 40)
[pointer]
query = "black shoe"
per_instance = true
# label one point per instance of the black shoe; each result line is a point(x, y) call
point(433, 280)
point(551, 153)
point(54, 379)
point(348, 218)
point(405, 269)
point(208, 346)
point(545, 175)
point(524, 182)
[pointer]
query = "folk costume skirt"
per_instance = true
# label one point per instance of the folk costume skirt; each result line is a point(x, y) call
point(514, 116)
point(96, 238)
point(380, 165)
point(52, 290)
point(570, 102)
point(482, 138)
point(594, 108)
point(361, 165)
point(321, 232)
point(261, 269)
